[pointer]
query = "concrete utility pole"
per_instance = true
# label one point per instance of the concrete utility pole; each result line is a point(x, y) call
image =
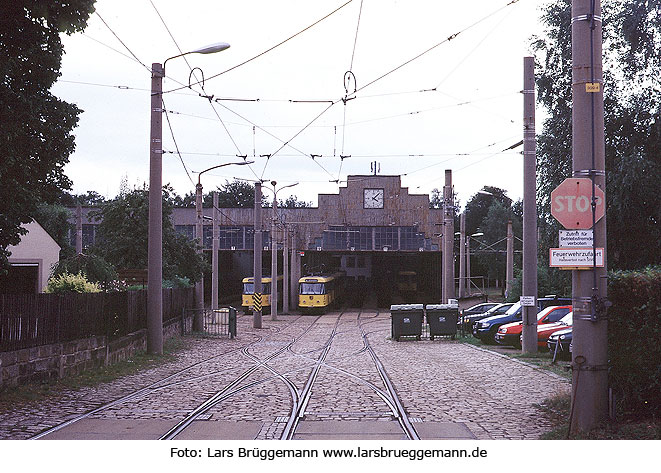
point(509, 270)
point(589, 350)
point(468, 267)
point(198, 318)
point(285, 272)
point(79, 230)
point(529, 313)
point(448, 238)
point(155, 233)
point(274, 257)
point(257, 260)
point(214, 255)
point(462, 255)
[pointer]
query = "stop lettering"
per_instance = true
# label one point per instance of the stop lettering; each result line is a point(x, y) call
point(571, 203)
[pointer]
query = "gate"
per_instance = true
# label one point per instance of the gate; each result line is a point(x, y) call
point(220, 322)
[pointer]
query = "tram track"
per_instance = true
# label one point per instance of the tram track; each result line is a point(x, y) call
point(245, 381)
point(388, 396)
point(161, 384)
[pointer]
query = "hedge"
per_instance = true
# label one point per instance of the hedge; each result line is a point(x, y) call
point(634, 340)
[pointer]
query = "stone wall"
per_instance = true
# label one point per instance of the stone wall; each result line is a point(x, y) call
point(70, 358)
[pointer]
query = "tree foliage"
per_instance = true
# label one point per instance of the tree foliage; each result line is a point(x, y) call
point(35, 126)
point(123, 232)
point(632, 89)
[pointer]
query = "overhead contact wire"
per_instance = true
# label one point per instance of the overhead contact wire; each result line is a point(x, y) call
point(272, 47)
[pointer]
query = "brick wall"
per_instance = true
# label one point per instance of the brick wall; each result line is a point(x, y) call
point(70, 358)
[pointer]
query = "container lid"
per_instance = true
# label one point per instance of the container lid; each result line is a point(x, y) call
point(442, 307)
point(406, 307)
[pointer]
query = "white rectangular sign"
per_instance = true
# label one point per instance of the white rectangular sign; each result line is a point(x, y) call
point(527, 301)
point(579, 258)
point(575, 239)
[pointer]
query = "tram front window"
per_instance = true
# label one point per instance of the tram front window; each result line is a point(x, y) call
point(248, 288)
point(312, 288)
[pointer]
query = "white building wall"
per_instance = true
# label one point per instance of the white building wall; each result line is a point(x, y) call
point(37, 246)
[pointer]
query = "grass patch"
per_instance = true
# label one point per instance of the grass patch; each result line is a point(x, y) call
point(93, 377)
point(557, 408)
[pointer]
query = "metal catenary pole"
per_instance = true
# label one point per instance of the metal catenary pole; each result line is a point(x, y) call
point(462, 255)
point(274, 258)
point(509, 271)
point(257, 260)
point(214, 254)
point(590, 359)
point(155, 235)
point(198, 322)
point(285, 272)
point(529, 287)
point(448, 240)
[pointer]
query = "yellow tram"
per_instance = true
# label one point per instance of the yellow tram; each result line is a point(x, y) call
point(317, 293)
point(249, 290)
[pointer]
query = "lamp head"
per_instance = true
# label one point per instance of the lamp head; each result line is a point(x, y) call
point(212, 48)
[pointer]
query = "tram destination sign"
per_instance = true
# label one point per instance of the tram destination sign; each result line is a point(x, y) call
point(575, 258)
point(575, 238)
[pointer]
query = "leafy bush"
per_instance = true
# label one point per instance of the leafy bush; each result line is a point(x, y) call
point(67, 282)
point(634, 331)
point(93, 267)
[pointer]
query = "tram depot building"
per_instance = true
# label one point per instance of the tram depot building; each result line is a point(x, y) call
point(373, 229)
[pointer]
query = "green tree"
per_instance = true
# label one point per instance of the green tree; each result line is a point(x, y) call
point(54, 218)
point(35, 126)
point(632, 93)
point(479, 204)
point(123, 230)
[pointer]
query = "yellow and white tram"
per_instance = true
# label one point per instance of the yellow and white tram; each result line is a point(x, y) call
point(317, 293)
point(249, 290)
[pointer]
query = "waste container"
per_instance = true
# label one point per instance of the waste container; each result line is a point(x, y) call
point(442, 319)
point(406, 320)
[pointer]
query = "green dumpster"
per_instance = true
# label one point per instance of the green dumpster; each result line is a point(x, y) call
point(406, 320)
point(442, 319)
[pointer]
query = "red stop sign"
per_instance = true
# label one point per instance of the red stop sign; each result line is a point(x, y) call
point(571, 203)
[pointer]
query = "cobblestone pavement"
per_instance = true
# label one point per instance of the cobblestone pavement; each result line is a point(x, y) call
point(437, 381)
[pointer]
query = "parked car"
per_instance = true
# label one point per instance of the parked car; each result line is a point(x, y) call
point(552, 299)
point(561, 338)
point(469, 320)
point(487, 328)
point(510, 334)
point(478, 309)
point(545, 331)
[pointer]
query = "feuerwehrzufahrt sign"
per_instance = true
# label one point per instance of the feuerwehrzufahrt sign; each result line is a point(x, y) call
point(571, 203)
point(575, 258)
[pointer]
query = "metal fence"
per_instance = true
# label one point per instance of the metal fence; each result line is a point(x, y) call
point(32, 320)
point(221, 322)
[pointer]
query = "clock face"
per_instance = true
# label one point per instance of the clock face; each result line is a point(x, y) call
point(373, 198)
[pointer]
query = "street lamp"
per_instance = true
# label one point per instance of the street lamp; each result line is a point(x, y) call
point(274, 254)
point(155, 235)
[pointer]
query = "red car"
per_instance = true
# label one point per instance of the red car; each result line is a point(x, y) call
point(510, 334)
point(545, 331)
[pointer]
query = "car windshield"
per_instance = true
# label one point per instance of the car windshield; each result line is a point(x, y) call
point(514, 309)
point(500, 309)
point(542, 314)
point(567, 319)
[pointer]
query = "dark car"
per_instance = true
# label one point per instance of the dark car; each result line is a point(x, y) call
point(478, 309)
point(469, 320)
point(562, 340)
point(486, 329)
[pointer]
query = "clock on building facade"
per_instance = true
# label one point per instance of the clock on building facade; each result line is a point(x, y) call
point(373, 198)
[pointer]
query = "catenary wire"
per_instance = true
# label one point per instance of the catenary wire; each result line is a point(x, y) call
point(273, 47)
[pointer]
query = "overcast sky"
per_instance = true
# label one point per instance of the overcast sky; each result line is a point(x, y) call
point(454, 107)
